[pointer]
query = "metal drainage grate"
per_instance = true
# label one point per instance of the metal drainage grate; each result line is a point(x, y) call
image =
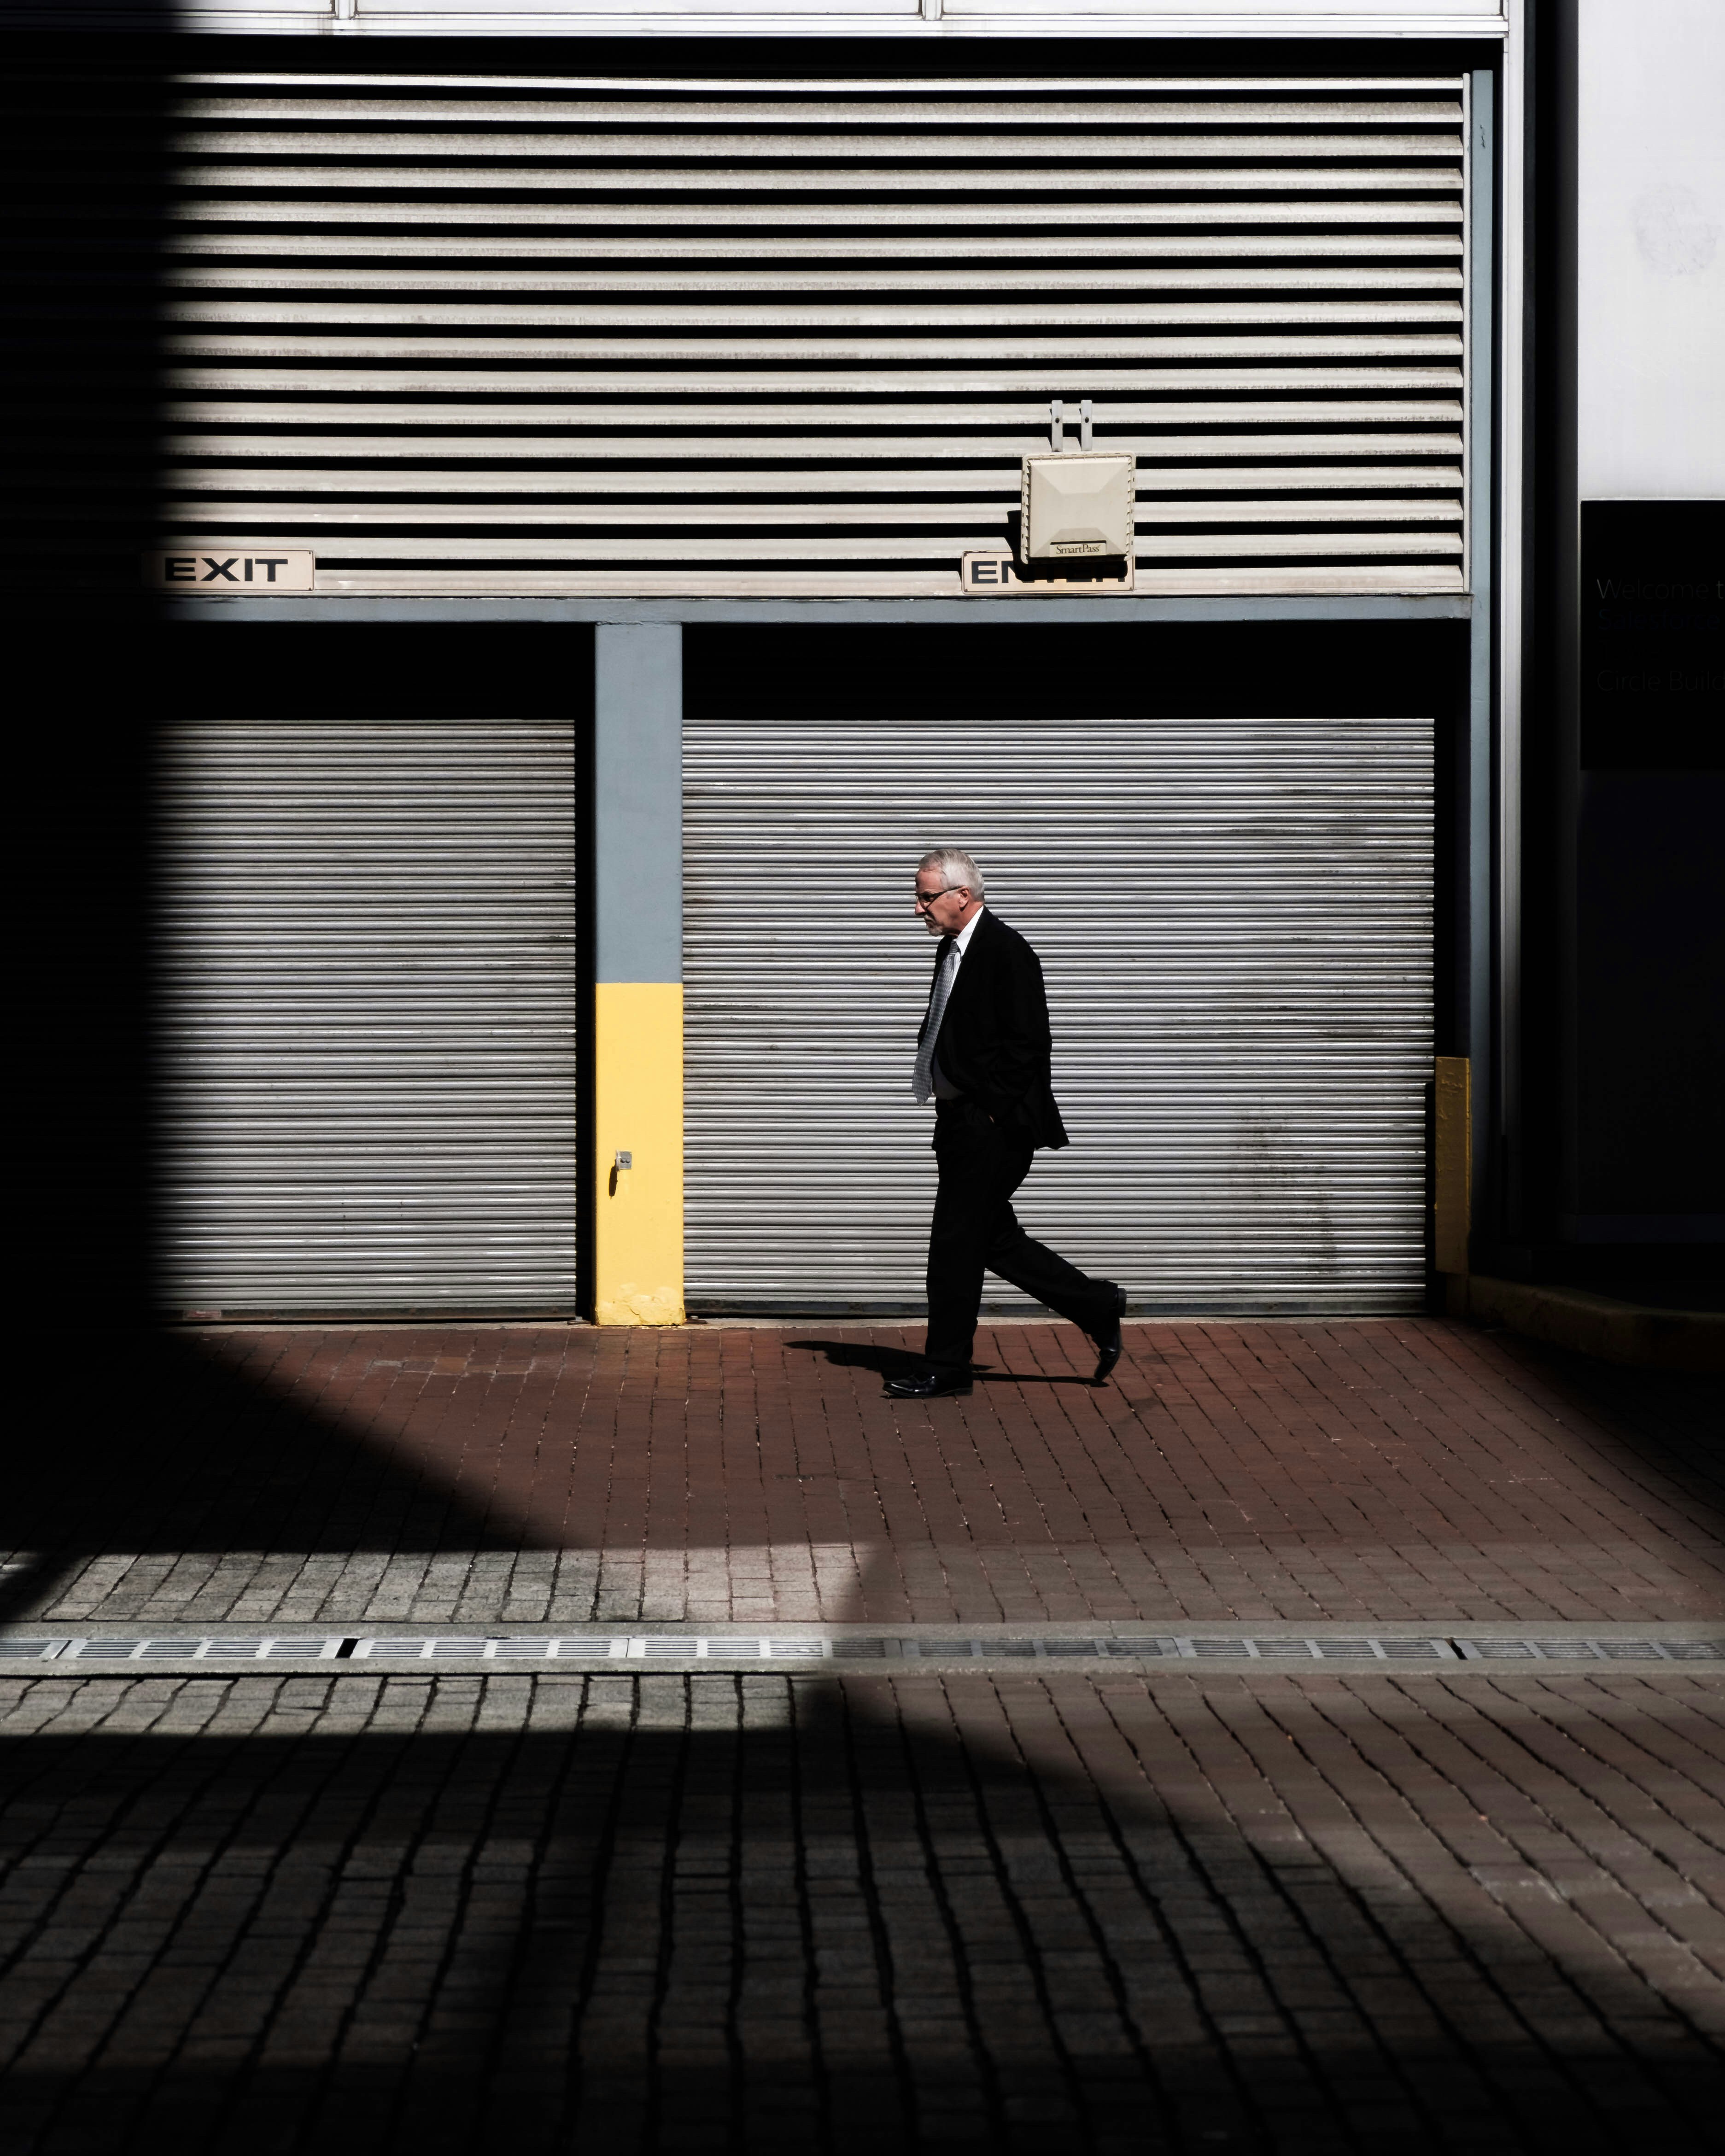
point(352, 1652)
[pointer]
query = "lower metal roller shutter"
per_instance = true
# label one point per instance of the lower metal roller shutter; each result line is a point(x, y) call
point(368, 936)
point(1243, 1030)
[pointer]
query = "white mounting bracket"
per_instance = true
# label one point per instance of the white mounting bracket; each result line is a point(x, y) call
point(1057, 424)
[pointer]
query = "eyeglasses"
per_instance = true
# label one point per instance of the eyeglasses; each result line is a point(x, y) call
point(928, 897)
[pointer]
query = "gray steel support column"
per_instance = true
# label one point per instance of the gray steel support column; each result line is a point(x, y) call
point(1482, 1047)
point(637, 801)
point(638, 994)
point(1557, 557)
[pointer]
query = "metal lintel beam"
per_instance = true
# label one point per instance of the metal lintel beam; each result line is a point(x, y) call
point(322, 607)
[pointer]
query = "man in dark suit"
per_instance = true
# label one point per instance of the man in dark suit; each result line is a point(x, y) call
point(983, 1056)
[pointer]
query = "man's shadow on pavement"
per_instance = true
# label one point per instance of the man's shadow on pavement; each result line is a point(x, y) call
point(903, 1362)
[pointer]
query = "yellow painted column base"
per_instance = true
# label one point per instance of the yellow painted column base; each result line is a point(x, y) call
point(637, 1113)
point(1452, 1178)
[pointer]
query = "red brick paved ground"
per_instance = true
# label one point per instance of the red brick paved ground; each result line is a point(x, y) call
point(1093, 1910)
point(1406, 1470)
point(1293, 1915)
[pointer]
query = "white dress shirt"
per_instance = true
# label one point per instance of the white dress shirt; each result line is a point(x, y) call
point(944, 1089)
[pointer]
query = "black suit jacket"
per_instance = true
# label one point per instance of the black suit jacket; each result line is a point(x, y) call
point(994, 1043)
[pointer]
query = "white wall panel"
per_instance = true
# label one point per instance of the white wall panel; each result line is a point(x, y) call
point(1651, 243)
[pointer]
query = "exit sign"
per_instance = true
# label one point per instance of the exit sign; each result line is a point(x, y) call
point(991, 575)
point(222, 572)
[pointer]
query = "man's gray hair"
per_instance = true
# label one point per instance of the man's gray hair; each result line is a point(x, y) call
point(955, 867)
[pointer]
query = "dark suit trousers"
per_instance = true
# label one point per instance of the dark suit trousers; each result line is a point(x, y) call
point(975, 1230)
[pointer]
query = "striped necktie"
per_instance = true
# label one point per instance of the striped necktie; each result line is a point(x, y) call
point(945, 970)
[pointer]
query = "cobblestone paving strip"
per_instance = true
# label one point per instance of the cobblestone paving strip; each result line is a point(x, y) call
point(1377, 1472)
point(1083, 1909)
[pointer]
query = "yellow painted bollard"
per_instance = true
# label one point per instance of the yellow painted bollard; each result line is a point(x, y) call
point(637, 1183)
point(1452, 1178)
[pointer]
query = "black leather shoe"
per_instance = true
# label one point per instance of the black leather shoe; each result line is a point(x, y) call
point(1110, 1345)
point(930, 1385)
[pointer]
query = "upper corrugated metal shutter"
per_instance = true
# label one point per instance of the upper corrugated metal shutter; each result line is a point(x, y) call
point(1235, 919)
point(367, 948)
point(675, 337)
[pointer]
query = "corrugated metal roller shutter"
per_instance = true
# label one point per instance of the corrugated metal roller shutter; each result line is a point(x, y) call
point(367, 941)
point(678, 337)
point(1235, 922)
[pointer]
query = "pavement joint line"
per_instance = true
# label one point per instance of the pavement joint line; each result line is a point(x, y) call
point(597, 1648)
point(863, 1320)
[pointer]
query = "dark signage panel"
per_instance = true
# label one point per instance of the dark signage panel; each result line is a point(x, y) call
point(1653, 635)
